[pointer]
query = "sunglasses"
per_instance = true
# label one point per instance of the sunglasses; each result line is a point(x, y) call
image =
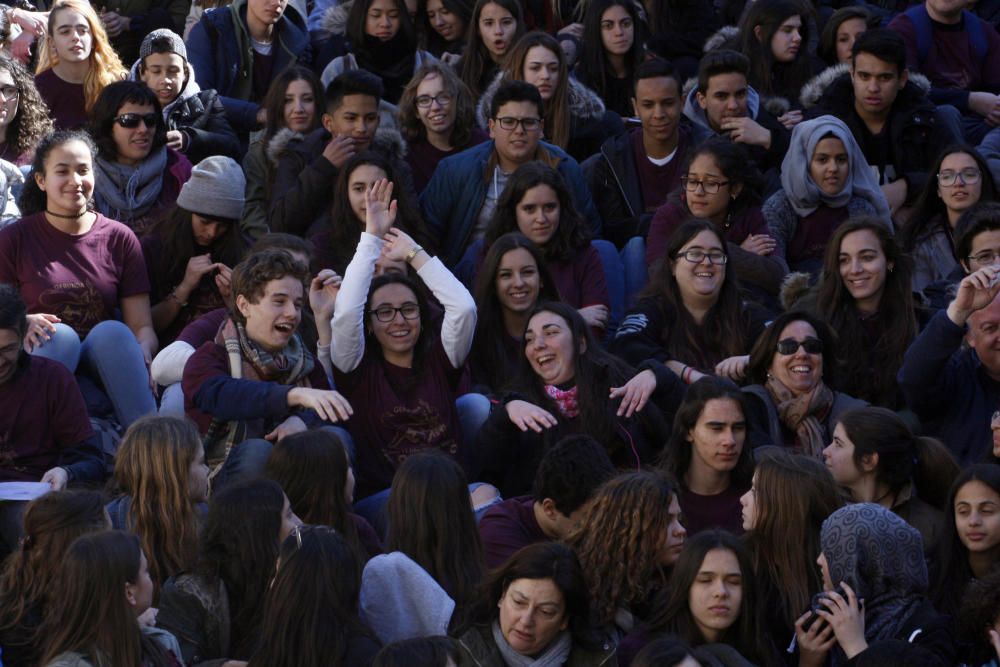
point(130, 121)
point(790, 346)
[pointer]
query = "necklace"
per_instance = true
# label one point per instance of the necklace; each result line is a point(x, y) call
point(67, 217)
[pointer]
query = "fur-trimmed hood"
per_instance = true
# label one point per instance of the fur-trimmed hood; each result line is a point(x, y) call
point(584, 104)
point(334, 21)
point(387, 141)
point(723, 38)
point(818, 85)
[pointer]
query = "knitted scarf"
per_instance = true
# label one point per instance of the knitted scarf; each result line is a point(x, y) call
point(555, 655)
point(803, 414)
point(565, 400)
point(249, 361)
point(125, 192)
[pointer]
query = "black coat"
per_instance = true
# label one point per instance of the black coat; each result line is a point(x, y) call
point(202, 119)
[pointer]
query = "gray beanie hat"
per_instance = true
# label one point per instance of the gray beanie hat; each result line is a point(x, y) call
point(216, 189)
point(176, 43)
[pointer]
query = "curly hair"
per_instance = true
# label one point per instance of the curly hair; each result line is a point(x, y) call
point(33, 199)
point(629, 512)
point(32, 121)
point(105, 66)
point(465, 105)
point(251, 276)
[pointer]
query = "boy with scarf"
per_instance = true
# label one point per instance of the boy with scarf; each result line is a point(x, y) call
point(256, 383)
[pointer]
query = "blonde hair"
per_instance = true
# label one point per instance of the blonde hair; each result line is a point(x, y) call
point(153, 466)
point(105, 66)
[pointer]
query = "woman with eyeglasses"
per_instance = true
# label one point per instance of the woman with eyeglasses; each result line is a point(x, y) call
point(791, 405)
point(825, 179)
point(402, 369)
point(690, 316)
point(960, 179)
point(723, 186)
point(137, 176)
point(436, 119)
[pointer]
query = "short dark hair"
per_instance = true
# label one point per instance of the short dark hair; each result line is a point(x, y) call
point(13, 312)
point(105, 110)
point(981, 217)
point(352, 82)
point(766, 346)
point(570, 472)
point(884, 44)
point(284, 241)
point(516, 91)
point(251, 276)
point(723, 61)
point(655, 69)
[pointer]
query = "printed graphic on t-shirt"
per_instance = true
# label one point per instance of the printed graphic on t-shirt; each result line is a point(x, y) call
point(77, 304)
point(415, 428)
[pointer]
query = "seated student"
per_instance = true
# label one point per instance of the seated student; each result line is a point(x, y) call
point(308, 167)
point(27, 119)
point(495, 27)
point(294, 107)
point(690, 317)
point(628, 542)
point(196, 120)
point(191, 250)
point(575, 118)
point(960, 179)
point(96, 621)
point(256, 383)
point(824, 181)
point(678, 31)
point(960, 54)
point(137, 176)
point(436, 117)
point(725, 104)
point(876, 457)
point(708, 455)
point(314, 469)
point(633, 173)
point(94, 270)
point(938, 364)
point(310, 612)
point(969, 536)
point(162, 479)
point(393, 363)
point(610, 69)
point(534, 609)
point(896, 126)
point(239, 49)
point(77, 65)
point(381, 39)
point(567, 477)
point(720, 184)
point(840, 31)
point(51, 523)
point(567, 384)
point(868, 553)
point(460, 200)
point(445, 25)
point(537, 203)
point(215, 609)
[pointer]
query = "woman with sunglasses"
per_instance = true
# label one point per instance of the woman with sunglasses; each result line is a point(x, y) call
point(963, 179)
point(138, 177)
point(790, 403)
point(690, 317)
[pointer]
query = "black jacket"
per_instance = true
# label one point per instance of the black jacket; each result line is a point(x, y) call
point(202, 119)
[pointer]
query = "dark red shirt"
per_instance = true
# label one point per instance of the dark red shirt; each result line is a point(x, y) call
point(424, 157)
point(722, 510)
point(808, 245)
point(657, 181)
point(507, 527)
point(67, 106)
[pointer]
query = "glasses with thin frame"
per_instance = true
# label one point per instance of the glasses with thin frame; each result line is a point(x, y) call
point(985, 257)
point(409, 311)
point(509, 123)
point(425, 101)
point(949, 177)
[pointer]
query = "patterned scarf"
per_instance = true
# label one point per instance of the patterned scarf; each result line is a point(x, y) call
point(803, 414)
point(127, 193)
point(881, 557)
point(565, 400)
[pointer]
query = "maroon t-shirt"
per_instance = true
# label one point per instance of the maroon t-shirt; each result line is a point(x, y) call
point(43, 413)
point(657, 181)
point(581, 281)
point(722, 510)
point(507, 527)
point(203, 329)
point(65, 100)
point(398, 413)
point(423, 157)
point(951, 60)
point(673, 214)
point(81, 279)
point(808, 244)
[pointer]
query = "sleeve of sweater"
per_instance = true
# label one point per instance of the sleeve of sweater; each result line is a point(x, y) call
point(928, 372)
point(299, 195)
point(639, 336)
point(216, 393)
point(459, 325)
point(593, 282)
point(84, 461)
point(348, 323)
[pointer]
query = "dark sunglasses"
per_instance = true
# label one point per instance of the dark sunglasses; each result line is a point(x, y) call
point(130, 121)
point(790, 346)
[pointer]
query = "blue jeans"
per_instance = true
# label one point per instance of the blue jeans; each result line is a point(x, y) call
point(172, 401)
point(110, 355)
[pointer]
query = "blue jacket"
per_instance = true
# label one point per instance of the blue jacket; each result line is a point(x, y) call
point(219, 51)
point(452, 200)
point(950, 390)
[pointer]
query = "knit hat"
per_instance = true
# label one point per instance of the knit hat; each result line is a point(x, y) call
point(216, 189)
point(176, 43)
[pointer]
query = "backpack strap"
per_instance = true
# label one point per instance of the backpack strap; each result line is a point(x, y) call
point(925, 32)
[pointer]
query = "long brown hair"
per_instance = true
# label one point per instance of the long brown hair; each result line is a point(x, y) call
point(465, 105)
point(557, 113)
point(476, 60)
point(152, 467)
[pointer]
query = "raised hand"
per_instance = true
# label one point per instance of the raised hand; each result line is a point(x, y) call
point(380, 208)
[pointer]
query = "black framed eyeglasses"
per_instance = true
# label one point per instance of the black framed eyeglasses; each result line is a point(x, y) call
point(790, 346)
point(698, 256)
point(424, 101)
point(409, 311)
point(509, 123)
point(130, 121)
point(710, 187)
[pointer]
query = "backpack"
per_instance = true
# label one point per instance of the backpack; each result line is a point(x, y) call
point(925, 32)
